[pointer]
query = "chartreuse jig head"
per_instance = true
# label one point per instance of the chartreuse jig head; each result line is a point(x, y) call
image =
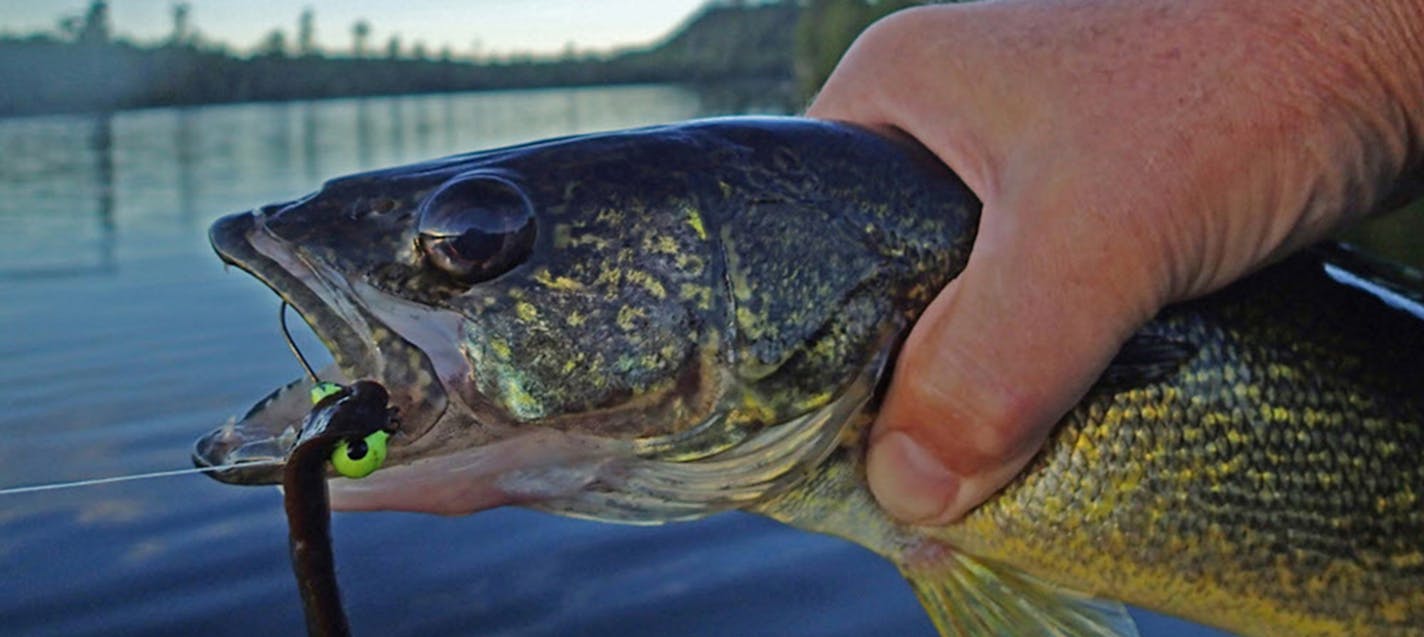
point(352, 458)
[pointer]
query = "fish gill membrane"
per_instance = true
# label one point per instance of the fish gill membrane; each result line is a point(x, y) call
point(658, 324)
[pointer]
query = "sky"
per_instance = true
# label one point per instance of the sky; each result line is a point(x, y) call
point(499, 26)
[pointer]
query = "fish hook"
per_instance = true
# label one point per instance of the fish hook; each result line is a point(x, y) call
point(292, 345)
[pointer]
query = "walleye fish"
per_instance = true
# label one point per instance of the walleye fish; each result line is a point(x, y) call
point(663, 323)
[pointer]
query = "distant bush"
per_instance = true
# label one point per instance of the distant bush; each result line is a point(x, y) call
point(45, 74)
point(827, 28)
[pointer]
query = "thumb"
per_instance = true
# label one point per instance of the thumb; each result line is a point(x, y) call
point(998, 357)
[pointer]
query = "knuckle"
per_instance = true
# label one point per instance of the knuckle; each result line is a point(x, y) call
point(970, 432)
point(1005, 423)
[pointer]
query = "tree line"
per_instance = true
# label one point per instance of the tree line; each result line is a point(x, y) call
point(85, 67)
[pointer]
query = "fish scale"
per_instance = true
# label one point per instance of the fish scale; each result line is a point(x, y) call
point(1254, 487)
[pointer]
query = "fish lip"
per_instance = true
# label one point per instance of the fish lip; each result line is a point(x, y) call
point(259, 461)
point(256, 462)
point(243, 240)
point(232, 239)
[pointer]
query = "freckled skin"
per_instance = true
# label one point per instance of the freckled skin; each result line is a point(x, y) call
point(1267, 480)
point(702, 253)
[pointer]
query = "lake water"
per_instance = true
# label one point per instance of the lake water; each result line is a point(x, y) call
point(122, 339)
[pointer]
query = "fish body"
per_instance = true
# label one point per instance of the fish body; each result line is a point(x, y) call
point(659, 324)
point(1266, 481)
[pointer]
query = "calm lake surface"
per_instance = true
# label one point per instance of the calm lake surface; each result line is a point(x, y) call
point(122, 340)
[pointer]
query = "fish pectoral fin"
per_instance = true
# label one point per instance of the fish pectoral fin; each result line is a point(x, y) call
point(965, 597)
point(1144, 359)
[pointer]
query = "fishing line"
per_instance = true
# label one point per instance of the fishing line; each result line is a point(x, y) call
point(292, 345)
point(138, 476)
point(53, 486)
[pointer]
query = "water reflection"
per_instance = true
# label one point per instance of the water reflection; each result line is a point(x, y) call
point(424, 125)
point(396, 109)
point(102, 145)
point(278, 140)
point(571, 113)
point(184, 144)
point(447, 109)
point(312, 167)
point(748, 97)
point(80, 221)
point(365, 144)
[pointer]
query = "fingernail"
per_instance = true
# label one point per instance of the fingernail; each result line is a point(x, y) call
point(908, 480)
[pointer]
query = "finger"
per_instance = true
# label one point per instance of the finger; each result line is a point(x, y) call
point(997, 358)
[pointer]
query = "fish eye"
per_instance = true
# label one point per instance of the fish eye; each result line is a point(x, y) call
point(476, 228)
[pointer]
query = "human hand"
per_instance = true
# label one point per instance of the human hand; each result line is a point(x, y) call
point(1129, 154)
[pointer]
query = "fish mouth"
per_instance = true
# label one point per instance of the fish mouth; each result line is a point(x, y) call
point(252, 449)
point(243, 240)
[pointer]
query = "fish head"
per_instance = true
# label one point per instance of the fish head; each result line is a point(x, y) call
point(641, 326)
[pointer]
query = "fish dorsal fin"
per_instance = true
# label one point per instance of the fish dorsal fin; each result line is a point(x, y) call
point(965, 597)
